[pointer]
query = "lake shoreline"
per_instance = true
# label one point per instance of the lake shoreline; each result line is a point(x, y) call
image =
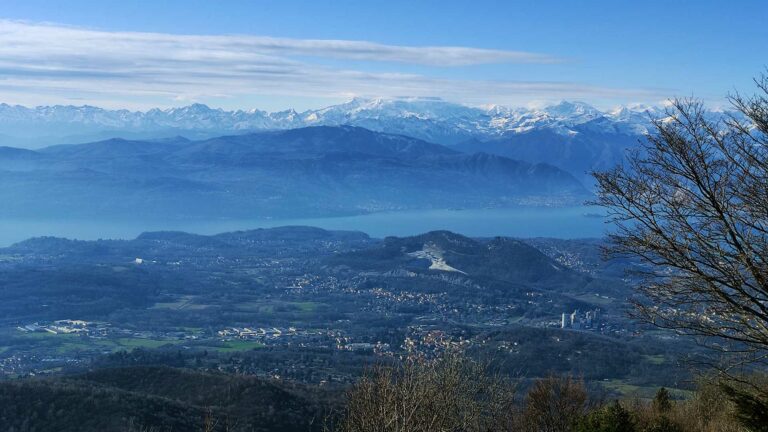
point(557, 222)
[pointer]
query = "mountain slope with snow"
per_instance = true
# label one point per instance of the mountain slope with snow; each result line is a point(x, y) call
point(572, 136)
point(428, 119)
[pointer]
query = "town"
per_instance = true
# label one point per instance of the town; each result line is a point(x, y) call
point(282, 293)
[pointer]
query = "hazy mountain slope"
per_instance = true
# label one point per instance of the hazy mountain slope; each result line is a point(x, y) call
point(579, 153)
point(573, 136)
point(295, 173)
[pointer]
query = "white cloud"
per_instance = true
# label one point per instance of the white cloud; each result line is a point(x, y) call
point(22, 40)
point(144, 69)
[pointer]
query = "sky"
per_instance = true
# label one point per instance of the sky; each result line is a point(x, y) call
point(275, 55)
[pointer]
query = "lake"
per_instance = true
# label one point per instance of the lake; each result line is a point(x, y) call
point(569, 222)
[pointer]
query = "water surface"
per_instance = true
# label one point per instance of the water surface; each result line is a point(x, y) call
point(569, 222)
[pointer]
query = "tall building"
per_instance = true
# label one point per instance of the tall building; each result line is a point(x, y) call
point(575, 318)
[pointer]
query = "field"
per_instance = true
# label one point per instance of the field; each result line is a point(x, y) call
point(643, 392)
point(274, 306)
point(186, 302)
point(234, 346)
point(71, 343)
point(656, 359)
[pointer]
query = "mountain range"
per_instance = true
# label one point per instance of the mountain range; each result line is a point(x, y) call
point(572, 136)
point(432, 120)
point(296, 173)
point(357, 157)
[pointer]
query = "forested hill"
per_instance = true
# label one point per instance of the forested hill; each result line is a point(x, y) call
point(163, 398)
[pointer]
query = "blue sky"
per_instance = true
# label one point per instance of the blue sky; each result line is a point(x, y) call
point(278, 54)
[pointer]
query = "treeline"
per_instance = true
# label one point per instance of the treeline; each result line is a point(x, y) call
point(538, 352)
point(449, 393)
point(455, 393)
point(160, 398)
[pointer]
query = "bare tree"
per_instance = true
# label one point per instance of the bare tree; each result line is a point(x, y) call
point(692, 205)
point(451, 393)
point(209, 421)
point(555, 404)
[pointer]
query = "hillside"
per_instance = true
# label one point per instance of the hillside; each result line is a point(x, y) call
point(501, 259)
point(316, 171)
point(587, 149)
point(306, 305)
point(163, 398)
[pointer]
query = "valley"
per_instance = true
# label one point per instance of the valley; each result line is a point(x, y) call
point(273, 302)
point(395, 216)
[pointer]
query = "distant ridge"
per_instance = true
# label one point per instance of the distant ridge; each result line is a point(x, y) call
point(572, 136)
point(306, 172)
point(425, 118)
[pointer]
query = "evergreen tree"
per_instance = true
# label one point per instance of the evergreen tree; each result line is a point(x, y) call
point(611, 418)
point(662, 402)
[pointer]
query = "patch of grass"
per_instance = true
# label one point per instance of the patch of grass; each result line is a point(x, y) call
point(186, 302)
point(68, 347)
point(42, 335)
point(130, 343)
point(256, 307)
point(62, 342)
point(112, 344)
point(87, 344)
point(69, 343)
point(655, 359)
point(234, 346)
point(643, 392)
point(630, 390)
point(593, 299)
point(276, 307)
point(306, 306)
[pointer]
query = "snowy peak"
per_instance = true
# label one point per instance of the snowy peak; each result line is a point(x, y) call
point(430, 119)
point(576, 112)
point(418, 108)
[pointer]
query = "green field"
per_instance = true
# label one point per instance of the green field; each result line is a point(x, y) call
point(233, 346)
point(44, 336)
point(594, 299)
point(69, 346)
point(307, 306)
point(256, 307)
point(130, 343)
point(112, 344)
point(642, 392)
point(68, 343)
point(655, 359)
point(273, 307)
point(182, 303)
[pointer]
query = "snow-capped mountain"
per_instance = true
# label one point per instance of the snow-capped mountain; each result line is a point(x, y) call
point(429, 119)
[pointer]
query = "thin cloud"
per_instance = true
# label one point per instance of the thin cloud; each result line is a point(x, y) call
point(21, 40)
point(110, 68)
